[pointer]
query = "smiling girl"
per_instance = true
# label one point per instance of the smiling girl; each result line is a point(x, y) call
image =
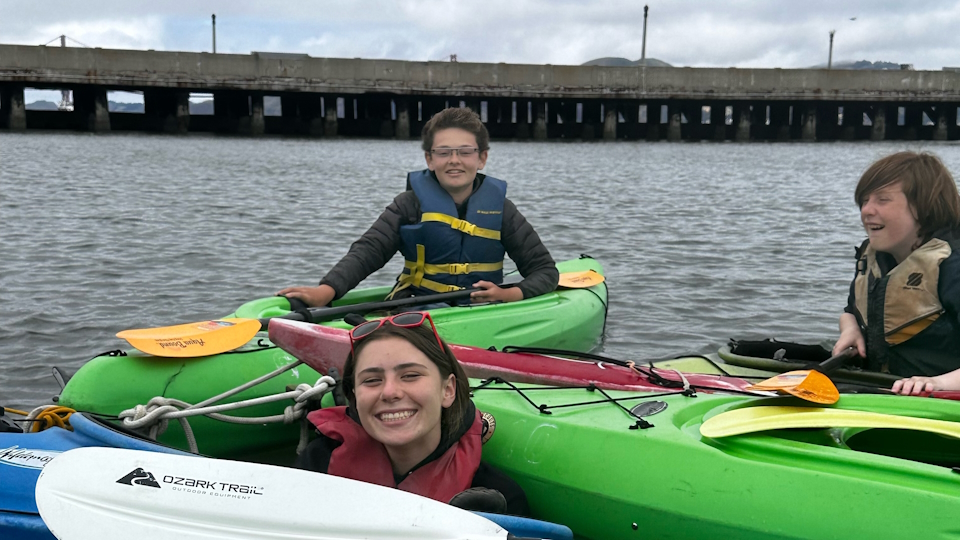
point(410, 423)
point(903, 311)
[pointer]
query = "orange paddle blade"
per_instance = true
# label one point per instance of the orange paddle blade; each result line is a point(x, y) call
point(805, 384)
point(193, 339)
point(580, 280)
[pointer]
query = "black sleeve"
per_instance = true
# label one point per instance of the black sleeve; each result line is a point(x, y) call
point(316, 456)
point(489, 476)
point(376, 247)
point(524, 247)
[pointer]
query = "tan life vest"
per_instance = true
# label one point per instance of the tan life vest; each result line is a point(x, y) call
point(911, 302)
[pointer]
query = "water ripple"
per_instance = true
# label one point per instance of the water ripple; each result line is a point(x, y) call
point(701, 242)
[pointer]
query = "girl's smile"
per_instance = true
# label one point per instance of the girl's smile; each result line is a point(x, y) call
point(400, 396)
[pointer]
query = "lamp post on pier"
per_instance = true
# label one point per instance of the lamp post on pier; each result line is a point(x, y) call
point(643, 51)
point(830, 56)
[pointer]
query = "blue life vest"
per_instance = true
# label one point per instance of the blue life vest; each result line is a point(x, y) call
point(444, 253)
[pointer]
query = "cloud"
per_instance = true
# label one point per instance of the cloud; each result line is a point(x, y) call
point(735, 33)
point(132, 33)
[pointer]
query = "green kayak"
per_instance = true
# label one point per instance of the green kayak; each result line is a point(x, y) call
point(605, 474)
point(567, 318)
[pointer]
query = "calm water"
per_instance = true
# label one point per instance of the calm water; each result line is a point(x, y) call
point(701, 242)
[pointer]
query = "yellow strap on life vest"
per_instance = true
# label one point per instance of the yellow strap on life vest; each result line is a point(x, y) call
point(461, 225)
point(456, 269)
point(415, 277)
point(436, 286)
point(408, 280)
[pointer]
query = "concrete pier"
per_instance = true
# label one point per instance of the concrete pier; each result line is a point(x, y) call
point(878, 119)
point(90, 109)
point(402, 124)
point(256, 115)
point(912, 121)
point(590, 120)
point(743, 121)
point(944, 114)
point(13, 113)
point(674, 113)
point(808, 121)
point(654, 125)
point(718, 121)
point(780, 122)
point(539, 120)
point(330, 121)
point(295, 116)
point(610, 120)
point(167, 111)
point(630, 128)
point(334, 97)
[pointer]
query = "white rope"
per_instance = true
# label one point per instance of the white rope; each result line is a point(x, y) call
point(158, 412)
point(32, 416)
point(686, 383)
point(246, 385)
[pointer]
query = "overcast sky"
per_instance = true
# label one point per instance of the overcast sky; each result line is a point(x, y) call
point(737, 33)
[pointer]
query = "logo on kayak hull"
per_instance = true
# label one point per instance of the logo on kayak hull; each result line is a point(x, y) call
point(139, 477)
point(26, 457)
point(648, 408)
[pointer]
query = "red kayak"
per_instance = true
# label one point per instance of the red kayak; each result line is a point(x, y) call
point(324, 347)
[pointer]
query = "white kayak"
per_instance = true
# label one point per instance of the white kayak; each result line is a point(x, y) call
point(118, 494)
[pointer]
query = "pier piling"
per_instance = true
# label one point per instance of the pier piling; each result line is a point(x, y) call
point(13, 113)
point(90, 109)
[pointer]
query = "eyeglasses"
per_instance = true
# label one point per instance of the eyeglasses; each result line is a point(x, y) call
point(463, 151)
point(410, 319)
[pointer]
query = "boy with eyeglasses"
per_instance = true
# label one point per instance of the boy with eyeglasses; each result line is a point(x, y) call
point(453, 226)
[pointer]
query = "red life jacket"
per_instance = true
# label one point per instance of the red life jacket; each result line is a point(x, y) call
point(360, 457)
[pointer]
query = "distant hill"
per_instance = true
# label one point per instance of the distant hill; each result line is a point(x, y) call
point(860, 64)
point(611, 61)
point(41, 105)
point(113, 106)
point(201, 107)
point(271, 106)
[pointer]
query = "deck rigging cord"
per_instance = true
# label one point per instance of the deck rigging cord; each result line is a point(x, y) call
point(44, 417)
point(156, 413)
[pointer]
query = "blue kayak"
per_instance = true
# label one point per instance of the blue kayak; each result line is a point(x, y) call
point(23, 455)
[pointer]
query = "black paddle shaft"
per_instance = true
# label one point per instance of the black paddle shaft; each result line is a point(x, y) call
point(836, 361)
point(323, 314)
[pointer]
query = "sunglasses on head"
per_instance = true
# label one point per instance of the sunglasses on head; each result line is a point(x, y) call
point(410, 319)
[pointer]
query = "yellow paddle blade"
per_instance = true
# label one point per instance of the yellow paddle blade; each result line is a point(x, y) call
point(805, 384)
point(764, 418)
point(193, 339)
point(580, 280)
